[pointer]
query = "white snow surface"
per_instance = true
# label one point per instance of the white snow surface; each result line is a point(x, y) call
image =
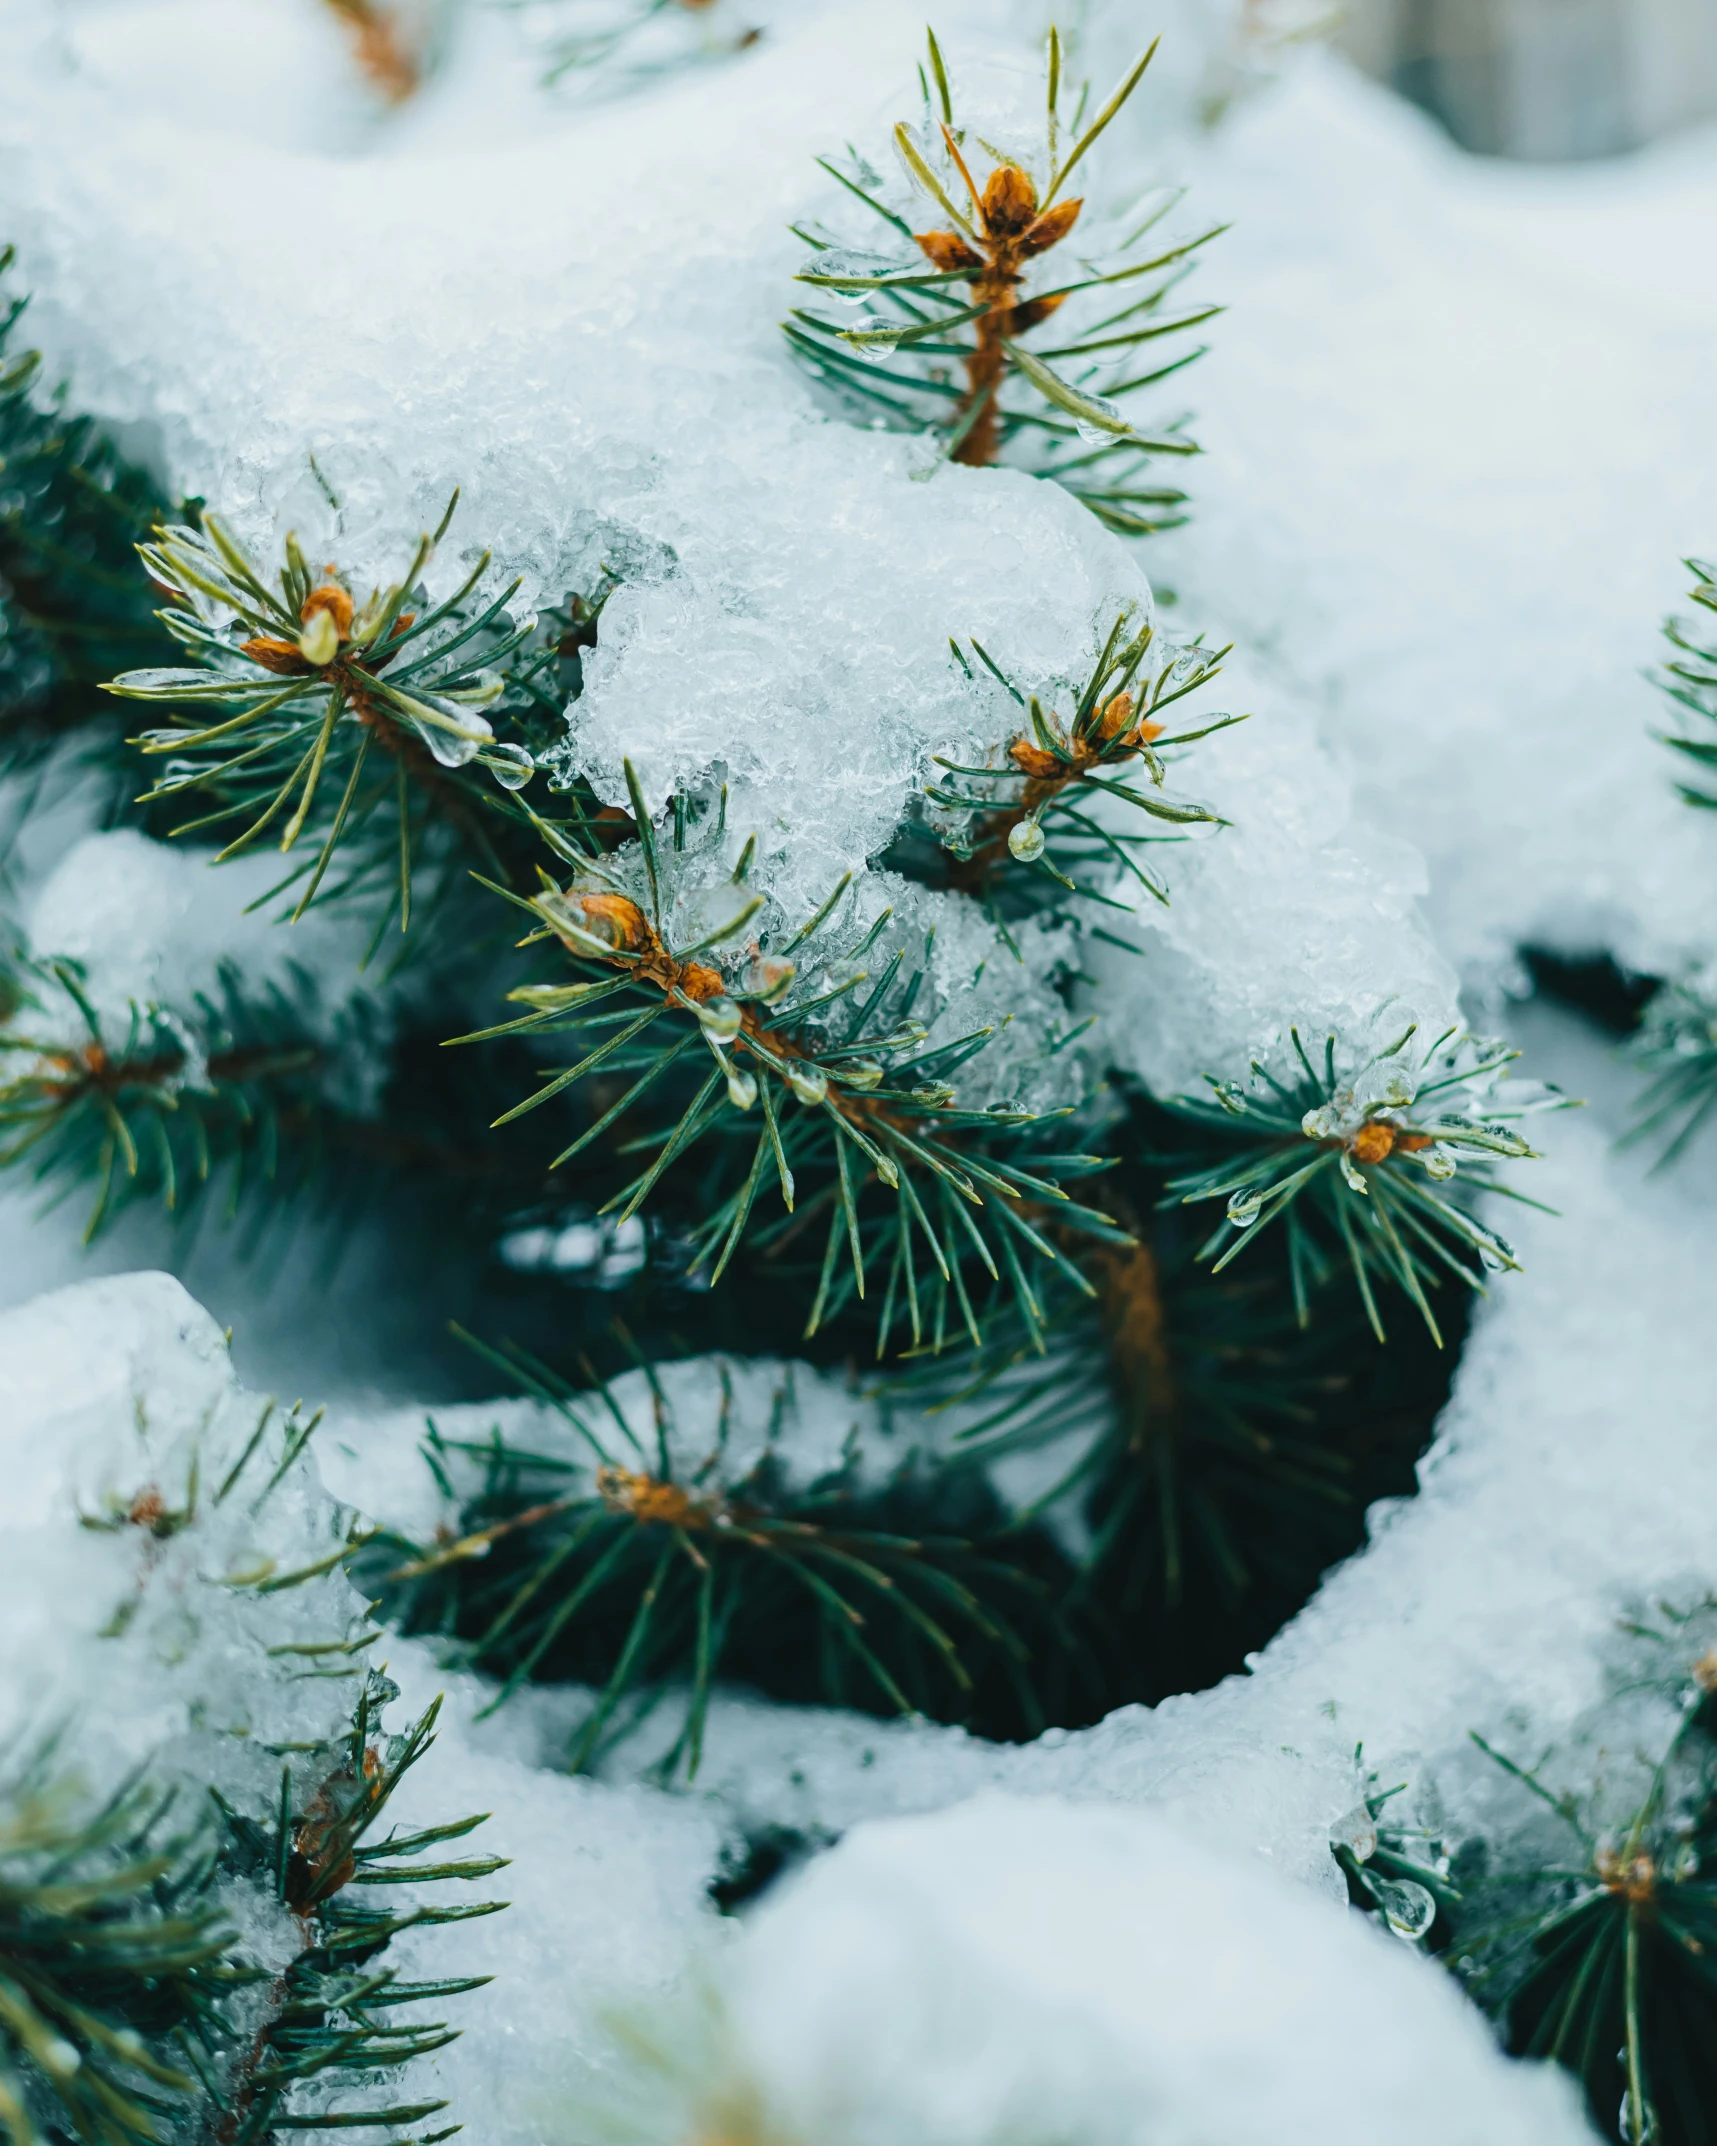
point(1458, 436)
point(1037, 1969)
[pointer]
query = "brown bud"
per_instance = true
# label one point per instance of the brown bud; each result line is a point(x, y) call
point(1034, 311)
point(1051, 227)
point(273, 655)
point(948, 251)
point(1010, 201)
point(1411, 1143)
point(699, 982)
point(333, 599)
point(1373, 1142)
point(1114, 718)
point(613, 918)
point(1033, 760)
point(645, 1499)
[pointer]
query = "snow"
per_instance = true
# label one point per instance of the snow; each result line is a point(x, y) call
point(578, 328)
point(1457, 422)
point(1038, 1969)
point(1457, 432)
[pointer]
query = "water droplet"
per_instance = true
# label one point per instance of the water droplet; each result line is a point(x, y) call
point(809, 1083)
point(1106, 421)
point(849, 272)
point(1355, 1178)
point(1243, 1209)
point(60, 2058)
point(862, 1073)
point(1324, 1123)
point(741, 1088)
point(1356, 1830)
point(874, 336)
point(722, 1020)
point(1407, 1908)
point(1026, 841)
point(319, 643)
point(458, 741)
point(1440, 1163)
point(485, 689)
point(511, 765)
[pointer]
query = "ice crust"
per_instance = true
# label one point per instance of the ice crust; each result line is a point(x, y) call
point(118, 1410)
point(577, 322)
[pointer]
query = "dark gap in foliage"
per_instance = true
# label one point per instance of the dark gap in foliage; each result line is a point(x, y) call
point(1594, 985)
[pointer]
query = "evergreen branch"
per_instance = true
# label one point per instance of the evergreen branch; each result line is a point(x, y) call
point(998, 822)
point(72, 605)
point(1337, 1159)
point(311, 2021)
point(317, 681)
point(100, 1956)
point(640, 1579)
point(856, 1105)
point(1013, 406)
point(1601, 1964)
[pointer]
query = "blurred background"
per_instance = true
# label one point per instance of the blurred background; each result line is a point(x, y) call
point(1543, 80)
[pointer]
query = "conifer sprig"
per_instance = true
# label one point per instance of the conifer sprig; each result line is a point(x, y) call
point(1601, 1961)
point(292, 2044)
point(315, 718)
point(639, 38)
point(1352, 1165)
point(1061, 773)
point(639, 1571)
point(1676, 1047)
point(160, 1106)
point(1690, 679)
point(103, 1936)
point(1214, 1455)
point(852, 1096)
point(72, 605)
point(959, 365)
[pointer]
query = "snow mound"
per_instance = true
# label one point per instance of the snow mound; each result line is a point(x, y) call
point(1027, 1968)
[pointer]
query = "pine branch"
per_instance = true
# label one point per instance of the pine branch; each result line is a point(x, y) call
point(295, 2042)
point(1355, 1166)
point(1689, 677)
point(1676, 1048)
point(967, 294)
point(361, 737)
point(1600, 1960)
point(1041, 827)
point(629, 46)
point(103, 1935)
point(1217, 1455)
point(72, 605)
point(792, 1072)
point(641, 1571)
point(232, 1093)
